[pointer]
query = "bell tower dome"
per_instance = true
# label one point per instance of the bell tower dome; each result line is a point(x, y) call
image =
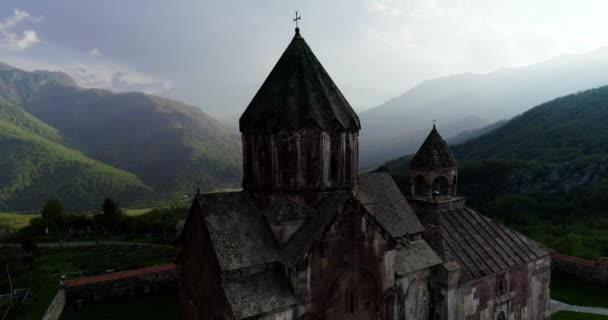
point(299, 133)
point(433, 173)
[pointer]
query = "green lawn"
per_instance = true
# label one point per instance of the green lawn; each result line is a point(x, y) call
point(150, 307)
point(14, 221)
point(573, 291)
point(568, 315)
point(48, 268)
point(138, 211)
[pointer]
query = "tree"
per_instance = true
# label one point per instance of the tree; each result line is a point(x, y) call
point(112, 214)
point(53, 211)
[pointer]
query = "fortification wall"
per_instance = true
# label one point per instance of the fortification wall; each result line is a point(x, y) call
point(586, 270)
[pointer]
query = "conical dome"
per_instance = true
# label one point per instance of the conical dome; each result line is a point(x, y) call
point(433, 154)
point(298, 94)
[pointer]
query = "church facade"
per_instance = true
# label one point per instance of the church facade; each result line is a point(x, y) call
point(309, 238)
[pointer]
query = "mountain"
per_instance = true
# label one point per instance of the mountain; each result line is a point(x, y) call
point(544, 172)
point(35, 166)
point(474, 133)
point(389, 148)
point(559, 130)
point(170, 146)
point(497, 95)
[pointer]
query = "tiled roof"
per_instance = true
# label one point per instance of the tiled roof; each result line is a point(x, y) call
point(303, 240)
point(433, 154)
point(481, 246)
point(381, 197)
point(118, 275)
point(298, 93)
point(259, 293)
point(415, 255)
point(239, 231)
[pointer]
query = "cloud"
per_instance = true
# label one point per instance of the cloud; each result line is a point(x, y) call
point(108, 76)
point(12, 40)
point(16, 43)
point(95, 52)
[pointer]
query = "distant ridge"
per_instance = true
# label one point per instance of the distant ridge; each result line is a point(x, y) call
point(168, 147)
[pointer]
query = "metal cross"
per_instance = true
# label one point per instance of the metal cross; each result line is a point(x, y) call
point(434, 120)
point(296, 19)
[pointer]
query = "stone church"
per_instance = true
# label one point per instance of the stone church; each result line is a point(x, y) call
point(309, 238)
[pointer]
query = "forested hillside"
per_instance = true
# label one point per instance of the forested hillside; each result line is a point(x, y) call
point(544, 172)
point(34, 166)
point(165, 147)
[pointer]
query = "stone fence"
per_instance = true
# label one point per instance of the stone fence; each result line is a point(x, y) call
point(587, 270)
point(17, 295)
point(119, 284)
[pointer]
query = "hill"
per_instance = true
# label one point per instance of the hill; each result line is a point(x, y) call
point(501, 94)
point(168, 145)
point(544, 173)
point(558, 130)
point(34, 167)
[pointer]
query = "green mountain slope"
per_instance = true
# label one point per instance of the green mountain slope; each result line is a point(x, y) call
point(544, 173)
point(170, 146)
point(35, 167)
point(558, 130)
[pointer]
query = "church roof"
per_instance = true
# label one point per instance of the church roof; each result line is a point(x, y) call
point(381, 197)
point(240, 235)
point(258, 294)
point(298, 94)
point(433, 154)
point(481, 246)
point(413, 256)
point(299, 245)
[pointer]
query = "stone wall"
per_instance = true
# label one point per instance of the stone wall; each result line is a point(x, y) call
point(143, 284)
point(347, 273)
point(524, 295)
point(586, 270)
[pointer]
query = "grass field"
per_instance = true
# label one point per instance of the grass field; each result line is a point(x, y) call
point(53, 263)
point(573, 291)
point(151, 307)
point(14, 221)
point(568, 315)
point(138, 211)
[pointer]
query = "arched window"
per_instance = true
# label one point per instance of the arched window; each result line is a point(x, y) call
point(501, 316)
point(440, 186)
point(501, 286)
point(420, 186)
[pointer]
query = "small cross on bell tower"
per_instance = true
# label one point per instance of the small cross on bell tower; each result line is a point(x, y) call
point(296, 19)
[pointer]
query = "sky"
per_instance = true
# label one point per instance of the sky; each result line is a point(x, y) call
point(216, 54)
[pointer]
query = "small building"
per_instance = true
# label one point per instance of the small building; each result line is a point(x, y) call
point(309, 238)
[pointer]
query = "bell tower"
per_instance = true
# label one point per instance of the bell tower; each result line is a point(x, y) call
point(433, 174)
point(299, 133)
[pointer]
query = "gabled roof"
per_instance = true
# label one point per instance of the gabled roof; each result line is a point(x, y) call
point(381, 197)
point(240, 235)
point(298, 94)
point(301, 243)
point(287, 208)
point(413, 256)
point(258, 294)
point(433, 154)
point(481, 246)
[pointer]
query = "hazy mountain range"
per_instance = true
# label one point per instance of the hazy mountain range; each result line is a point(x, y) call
point(488, 97)
point(84, 144)
point(544, 172)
